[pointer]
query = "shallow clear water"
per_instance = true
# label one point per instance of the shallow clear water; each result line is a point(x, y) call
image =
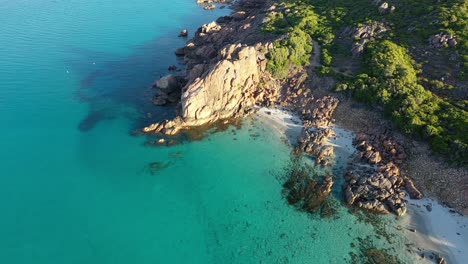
point(75, 186)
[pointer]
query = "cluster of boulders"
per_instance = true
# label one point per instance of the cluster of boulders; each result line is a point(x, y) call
point(208, 4)
point(377, 145)
point(368, 152)
point(314, 112)
point(225, 73)
point(384, 8)
point(166, 127)
point(373, 180)
point(366, 31)
point(443, 40)
point(295, 94)
point(209, 28)
point(314, 141)
point(319, 113)
point(305, 193)
point(316, 117)
point(269, 93)
point(364, 34)
point(209, 7)
point(277, 11)
point(378, 190)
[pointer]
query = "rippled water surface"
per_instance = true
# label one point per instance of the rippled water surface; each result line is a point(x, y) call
point(77, 187)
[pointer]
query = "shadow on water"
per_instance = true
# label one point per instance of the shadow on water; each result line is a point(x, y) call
point(121, 87)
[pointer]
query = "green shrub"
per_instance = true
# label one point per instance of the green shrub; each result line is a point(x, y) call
point(293, 50)
point(392, 81)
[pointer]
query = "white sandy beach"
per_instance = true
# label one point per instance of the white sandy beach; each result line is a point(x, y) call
point(290, 125)
point(282, 121)
point(437, 229)
point(440, 230)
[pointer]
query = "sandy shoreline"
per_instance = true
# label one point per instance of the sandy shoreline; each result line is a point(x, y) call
point(282, 121)
point(439, 231)
point(438, 228)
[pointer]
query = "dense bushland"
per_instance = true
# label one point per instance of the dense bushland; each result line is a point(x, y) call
point(391, 79)
point(390, 76)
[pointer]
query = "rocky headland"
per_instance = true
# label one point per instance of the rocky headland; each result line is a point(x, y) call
point(226, 77)
point(225, 72)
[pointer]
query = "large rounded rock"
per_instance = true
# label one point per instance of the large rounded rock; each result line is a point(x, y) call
point(167, 83)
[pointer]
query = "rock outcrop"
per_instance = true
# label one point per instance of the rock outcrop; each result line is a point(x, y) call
point(378, 190)
point(223, 91)
point(317, 116)
point(225, 63)
point(364, 34)
point(320, 112)
point(314, 141)
point(183, 33)
point(443, 40)
point(226, 77)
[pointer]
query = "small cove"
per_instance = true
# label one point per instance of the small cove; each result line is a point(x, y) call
point(75, 186)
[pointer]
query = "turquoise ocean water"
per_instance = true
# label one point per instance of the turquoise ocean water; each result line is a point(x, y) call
point(75, 185)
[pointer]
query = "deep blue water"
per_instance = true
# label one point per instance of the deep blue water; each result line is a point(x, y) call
point(75, 185)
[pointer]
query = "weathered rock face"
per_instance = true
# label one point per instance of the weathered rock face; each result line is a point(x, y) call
point(223, 90)
point(210, 28)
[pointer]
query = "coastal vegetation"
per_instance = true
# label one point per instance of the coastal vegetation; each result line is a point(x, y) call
point(404, 64)
point(294, 50)
point(391, 79)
